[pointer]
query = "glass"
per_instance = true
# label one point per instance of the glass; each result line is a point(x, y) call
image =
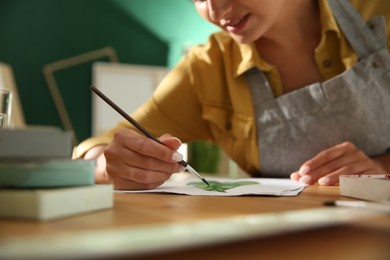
point(5, 108)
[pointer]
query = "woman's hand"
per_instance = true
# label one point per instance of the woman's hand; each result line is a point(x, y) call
point(133, 161)
point(341, 159)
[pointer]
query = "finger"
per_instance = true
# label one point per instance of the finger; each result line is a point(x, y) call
point(342, 161)
point(152, 164)
point(135, 174)
point(326, 156)
point(143, 145)
point(122, 163)
point(125, 184)
point(295, 176)
point(361, 167)
point(172, 142)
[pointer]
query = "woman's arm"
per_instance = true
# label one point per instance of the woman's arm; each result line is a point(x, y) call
point(96, 153)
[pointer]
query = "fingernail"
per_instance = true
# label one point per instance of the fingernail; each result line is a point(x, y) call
point(305, 179)
point(177, 157)
point(303, 170)
point(177, 139)
point(324, 181)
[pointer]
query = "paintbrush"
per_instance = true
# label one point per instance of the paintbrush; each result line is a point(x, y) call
point(143, 130)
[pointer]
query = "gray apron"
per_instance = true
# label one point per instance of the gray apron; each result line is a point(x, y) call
point(353, 106)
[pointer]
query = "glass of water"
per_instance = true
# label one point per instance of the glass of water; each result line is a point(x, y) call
point(5, 107)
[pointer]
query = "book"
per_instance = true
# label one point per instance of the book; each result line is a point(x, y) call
point(35, 142)
point(47, 174)
point(366, 187)
point(50, 204)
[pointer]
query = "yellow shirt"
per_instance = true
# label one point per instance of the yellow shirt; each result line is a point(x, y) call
point(206, 96)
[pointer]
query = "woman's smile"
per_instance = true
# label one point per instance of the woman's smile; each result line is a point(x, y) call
point(237, 25)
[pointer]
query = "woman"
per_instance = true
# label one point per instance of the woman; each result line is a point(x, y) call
point(293, 88)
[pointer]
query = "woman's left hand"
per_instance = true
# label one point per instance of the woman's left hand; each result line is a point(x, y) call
point(341, 159)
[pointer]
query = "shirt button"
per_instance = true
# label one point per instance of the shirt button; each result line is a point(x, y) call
point(327, 63)
point(228, 126)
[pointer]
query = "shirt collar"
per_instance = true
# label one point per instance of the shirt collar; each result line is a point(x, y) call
point(328, 21)
point(247, 58)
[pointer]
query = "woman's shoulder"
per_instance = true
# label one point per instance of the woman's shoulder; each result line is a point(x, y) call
point(372, 8)
point(369, 9)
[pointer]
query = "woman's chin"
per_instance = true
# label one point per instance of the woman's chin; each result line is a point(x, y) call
point(242, 39)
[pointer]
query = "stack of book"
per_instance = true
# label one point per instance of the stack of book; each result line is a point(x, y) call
point(40, 181)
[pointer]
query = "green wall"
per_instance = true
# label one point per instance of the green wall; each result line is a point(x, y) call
point(36, 33)
point(174, 21)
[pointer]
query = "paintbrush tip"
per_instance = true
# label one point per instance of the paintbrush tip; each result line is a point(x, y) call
point(204, 180)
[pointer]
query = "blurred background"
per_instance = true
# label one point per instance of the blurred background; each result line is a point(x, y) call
point(51, 46)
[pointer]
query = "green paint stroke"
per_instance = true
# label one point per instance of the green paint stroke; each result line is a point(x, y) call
point(220, 186)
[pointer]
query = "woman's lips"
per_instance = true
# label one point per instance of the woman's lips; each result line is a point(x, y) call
point(237, 26)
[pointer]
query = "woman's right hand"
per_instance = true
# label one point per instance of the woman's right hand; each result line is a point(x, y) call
point(132, 161)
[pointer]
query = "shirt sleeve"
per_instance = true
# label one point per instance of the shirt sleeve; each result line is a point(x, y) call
point(173, 108)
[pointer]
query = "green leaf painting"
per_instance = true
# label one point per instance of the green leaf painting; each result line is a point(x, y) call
point(220, 186)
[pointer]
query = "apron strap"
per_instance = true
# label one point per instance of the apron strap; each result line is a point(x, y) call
point(260, 95)
point(362, 39)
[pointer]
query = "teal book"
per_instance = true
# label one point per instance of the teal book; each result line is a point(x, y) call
point(47, 174)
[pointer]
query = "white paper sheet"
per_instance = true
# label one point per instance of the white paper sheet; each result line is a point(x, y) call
point(178, 184)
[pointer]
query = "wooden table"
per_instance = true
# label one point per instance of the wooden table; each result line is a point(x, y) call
point(108, 234)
